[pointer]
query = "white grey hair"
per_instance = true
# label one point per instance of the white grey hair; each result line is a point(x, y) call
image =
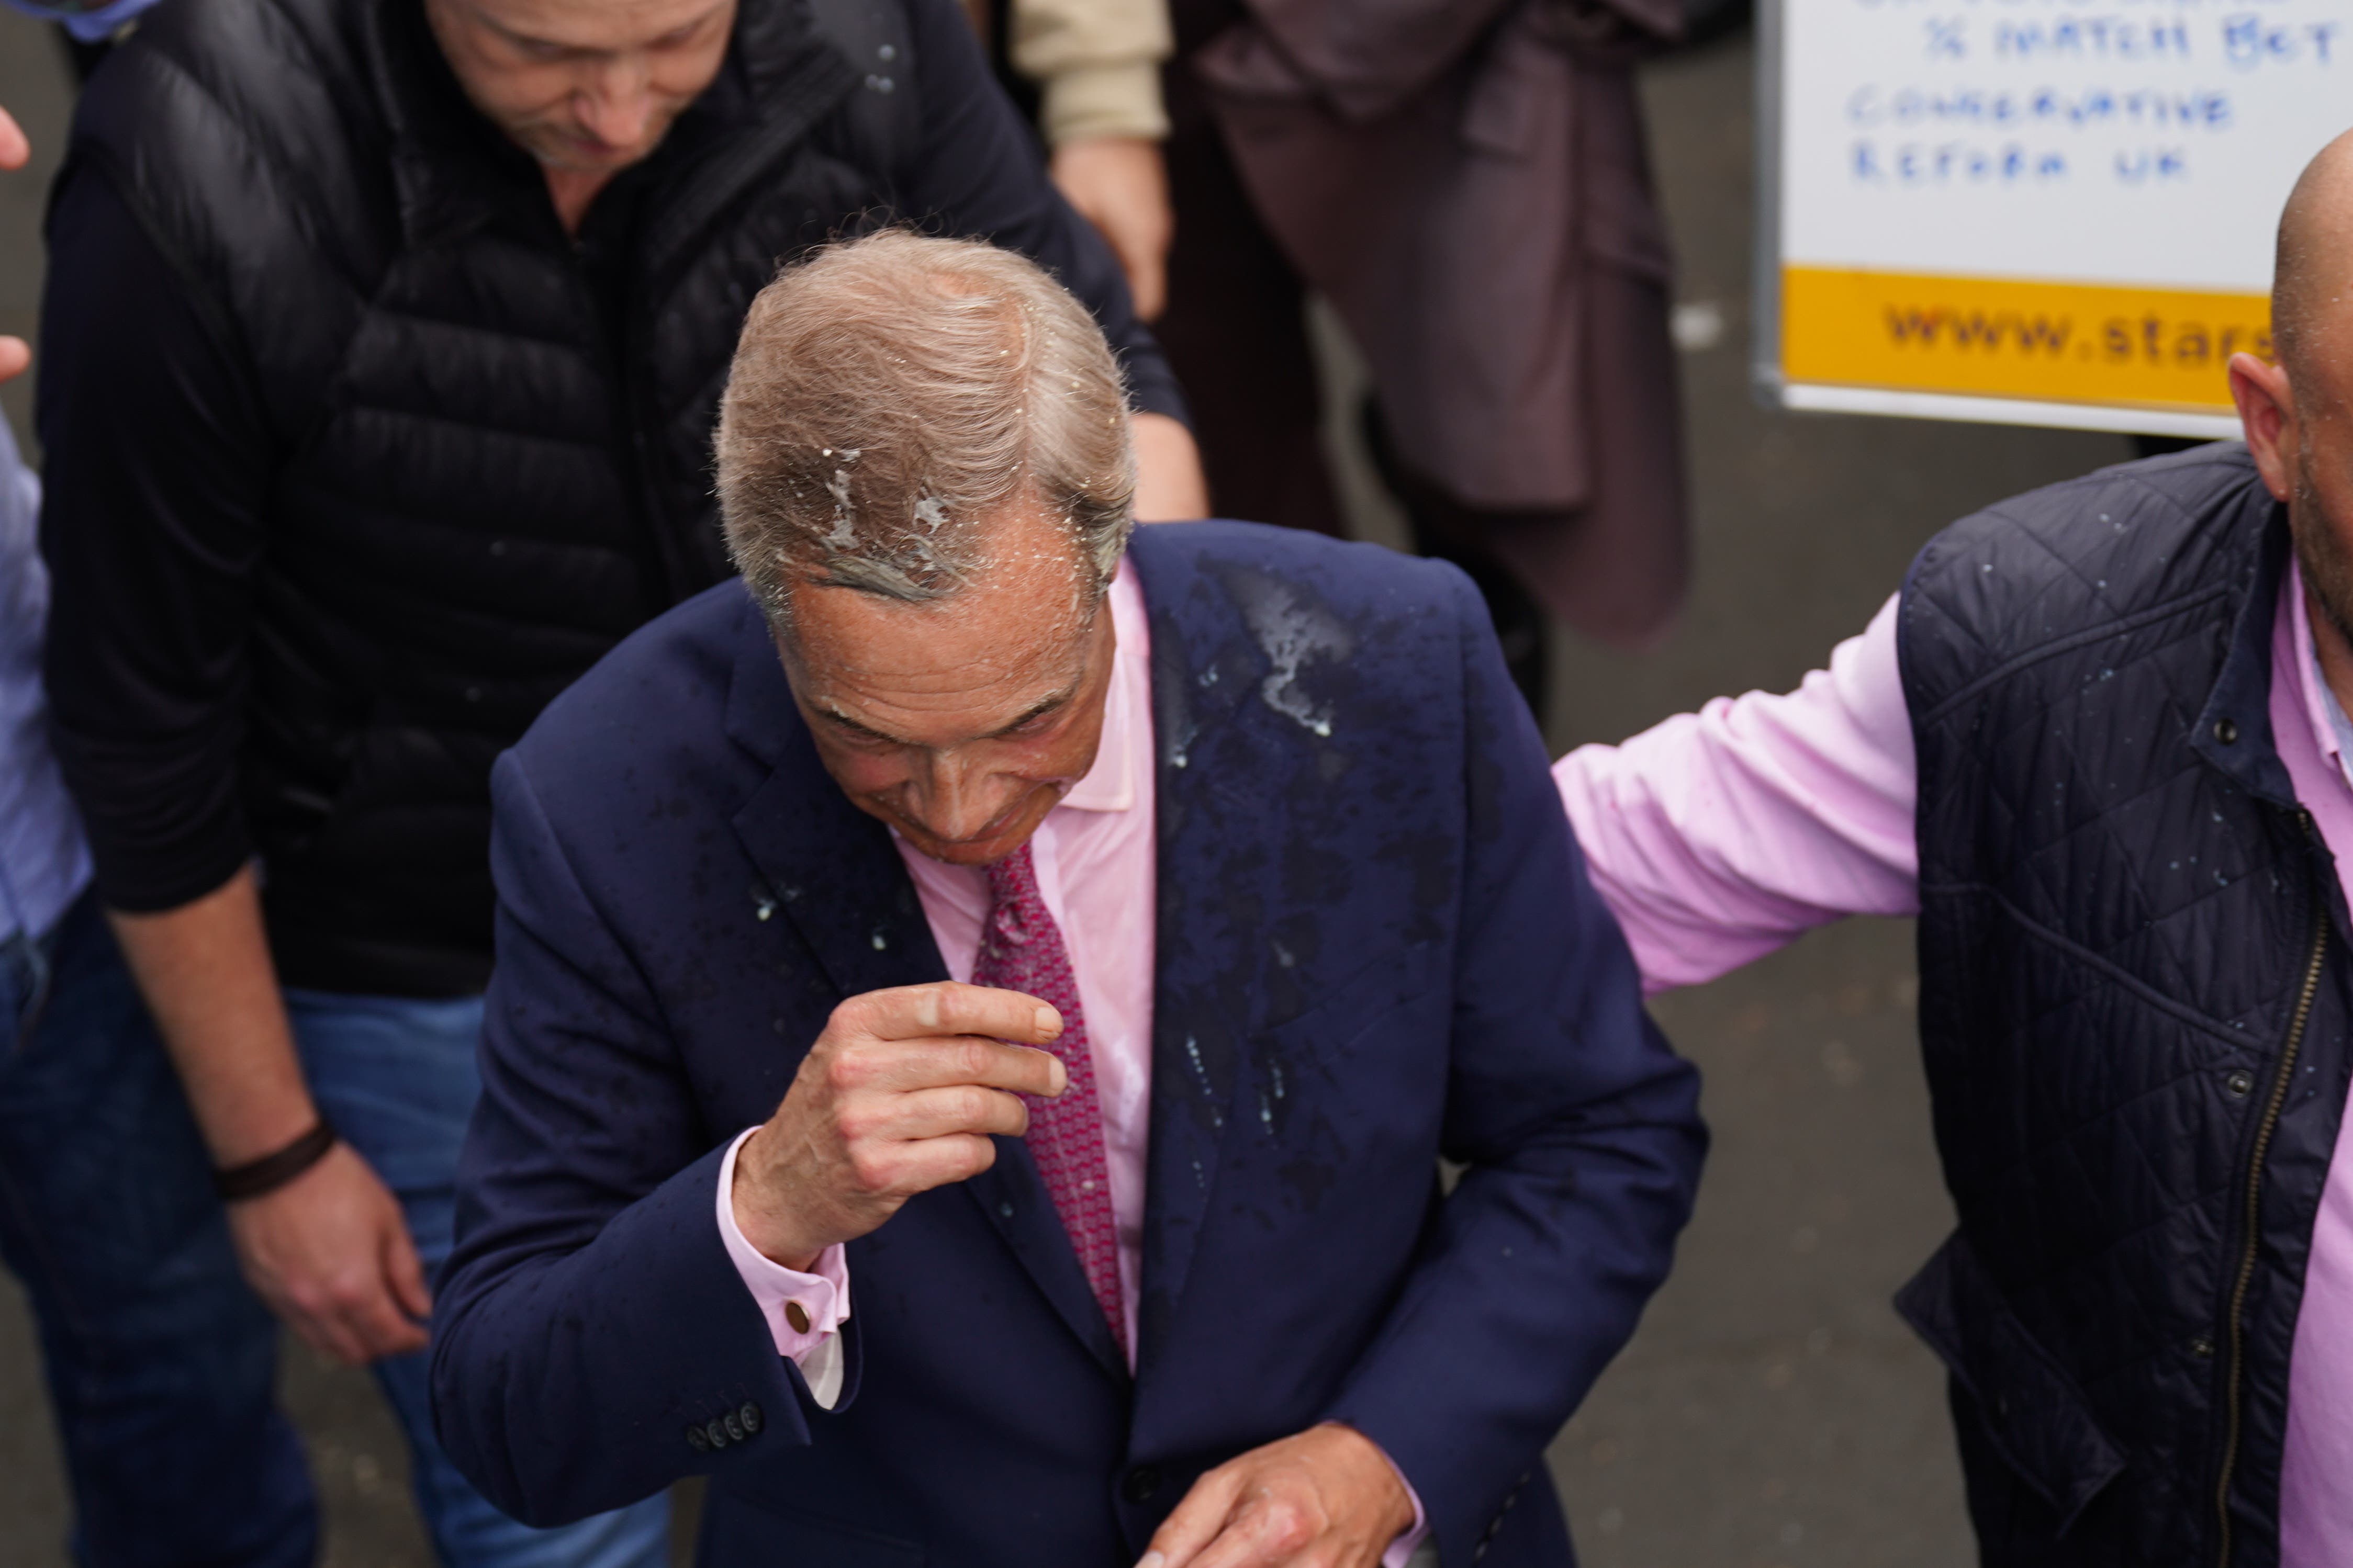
point(890, 395)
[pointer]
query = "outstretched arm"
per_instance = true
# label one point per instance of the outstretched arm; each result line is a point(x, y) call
point(1718, 836)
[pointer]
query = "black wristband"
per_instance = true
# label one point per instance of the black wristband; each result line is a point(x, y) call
point(272, 1171)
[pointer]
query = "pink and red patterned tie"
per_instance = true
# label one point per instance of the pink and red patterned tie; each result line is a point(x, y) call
point(1022, 950)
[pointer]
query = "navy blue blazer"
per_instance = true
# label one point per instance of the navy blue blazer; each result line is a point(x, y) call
point(1378, 947)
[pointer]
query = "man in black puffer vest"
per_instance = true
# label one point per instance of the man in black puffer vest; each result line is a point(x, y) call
point(2098, 744)
point(382, 351)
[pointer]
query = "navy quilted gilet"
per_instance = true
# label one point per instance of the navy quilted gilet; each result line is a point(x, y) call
point(2133, 1005)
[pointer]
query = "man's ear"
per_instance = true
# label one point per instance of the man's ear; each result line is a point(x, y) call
point(2267, 416)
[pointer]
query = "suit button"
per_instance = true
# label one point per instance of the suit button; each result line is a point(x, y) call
point(749, 1417)
point(1142, 1483)
point(735, 1433)
point(715, 1433)
point(697, 1441)
point(2226, 731)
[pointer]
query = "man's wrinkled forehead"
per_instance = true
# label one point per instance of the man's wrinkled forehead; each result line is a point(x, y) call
point(999, 651)
point(594, 25)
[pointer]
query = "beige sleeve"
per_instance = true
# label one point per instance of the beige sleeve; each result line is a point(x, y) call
point(1097, 65)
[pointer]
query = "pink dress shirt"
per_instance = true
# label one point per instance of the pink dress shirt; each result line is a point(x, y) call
point(1098, 858)
point(1719, 836)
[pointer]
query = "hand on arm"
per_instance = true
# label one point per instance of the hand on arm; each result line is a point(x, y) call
point(1720, 835)
point(1169, 484)
point(1119, 185)
point(899, 1095)
point(327, 1251)
point(1326, 1498)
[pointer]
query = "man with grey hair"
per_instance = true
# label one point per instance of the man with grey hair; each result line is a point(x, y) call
point(1079, 949)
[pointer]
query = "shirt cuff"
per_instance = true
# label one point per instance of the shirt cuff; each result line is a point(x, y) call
point(1401, 1550)
point(1084, 104)
point(804, 1311)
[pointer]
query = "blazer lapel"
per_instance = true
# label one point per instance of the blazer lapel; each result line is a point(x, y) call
point(1207, 817)
point(1012, 1198)
point(832, 872)
point(1254, 716)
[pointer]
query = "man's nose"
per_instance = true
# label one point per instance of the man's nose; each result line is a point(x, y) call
point(617, 107)
point(958, 799)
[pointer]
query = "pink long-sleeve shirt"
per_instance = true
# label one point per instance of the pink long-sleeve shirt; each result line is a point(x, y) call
point(1097, 859)
point(1719, 836)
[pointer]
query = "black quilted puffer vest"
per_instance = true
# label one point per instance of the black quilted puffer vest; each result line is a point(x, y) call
point(493, 469)
point(2133, 1003)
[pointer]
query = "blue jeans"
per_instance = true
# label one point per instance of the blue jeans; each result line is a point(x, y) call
point(398, 1079)
point(161, 1364)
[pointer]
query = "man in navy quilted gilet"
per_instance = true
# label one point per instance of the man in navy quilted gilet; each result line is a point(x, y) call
point(2098, 744)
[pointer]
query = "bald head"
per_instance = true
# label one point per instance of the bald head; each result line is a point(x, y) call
point(2296, 412)
point(2312, 280)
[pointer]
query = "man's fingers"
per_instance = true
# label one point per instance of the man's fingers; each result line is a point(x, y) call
point(377, 1322)
point(918, 1166)
point(15, 355)
point(1194, 1524)
point(1258, 1535)
point(905, 1067)
point(1019, 1069)
point(958, 1108)
point(13, 148)
point(405, 1273)
point(912, 1012)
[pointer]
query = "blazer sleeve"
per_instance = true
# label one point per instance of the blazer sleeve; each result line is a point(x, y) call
point(590, 1289)
point(1580, 1131)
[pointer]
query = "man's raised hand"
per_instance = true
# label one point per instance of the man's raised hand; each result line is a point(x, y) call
point(900, 1094)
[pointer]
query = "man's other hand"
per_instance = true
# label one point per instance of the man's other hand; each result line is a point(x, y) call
point(1169, 484)
point(330, 1254)
point(1326, 1499)
point(899, 1095)
point(1119, 185)
point(13, 150)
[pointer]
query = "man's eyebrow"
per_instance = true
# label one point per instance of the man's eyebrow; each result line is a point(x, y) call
point(1036, 710)
point(844, 721)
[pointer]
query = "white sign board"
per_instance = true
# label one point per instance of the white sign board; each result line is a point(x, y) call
point(2051, 212)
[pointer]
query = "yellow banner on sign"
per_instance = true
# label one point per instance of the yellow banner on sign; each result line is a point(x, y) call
point(2065, 342)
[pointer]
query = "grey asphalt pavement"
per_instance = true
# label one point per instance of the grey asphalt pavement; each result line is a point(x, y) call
point(1772, 1411)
